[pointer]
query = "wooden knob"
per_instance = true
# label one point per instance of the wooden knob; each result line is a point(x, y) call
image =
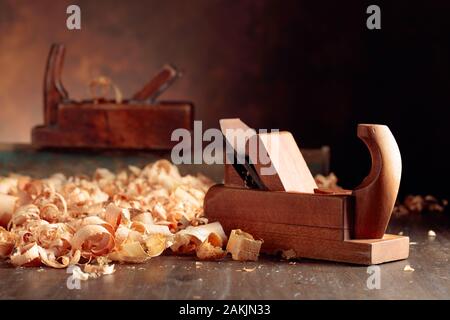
point(375, 196)
point(54, 91)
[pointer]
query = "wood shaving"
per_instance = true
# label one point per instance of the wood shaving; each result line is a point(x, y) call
point(95, 271)
point(7, 241)
point(205, 241)
point(431, 233)
point(328, 182)
point(78, 274)
point(410, 204)
point(242, 246)
point(99, 88)
point(7, 206)
point(289, 254)
point(130, 216)
point(408, 268)
point(249, 269)
point(207, 251)
point(418, 204)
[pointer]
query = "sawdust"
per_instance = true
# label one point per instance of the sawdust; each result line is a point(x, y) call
point(129, 216)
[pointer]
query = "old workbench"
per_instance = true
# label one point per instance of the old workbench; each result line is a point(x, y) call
point(171, 277)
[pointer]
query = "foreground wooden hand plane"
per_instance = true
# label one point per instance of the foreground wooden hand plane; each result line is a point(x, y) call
point(284, 207)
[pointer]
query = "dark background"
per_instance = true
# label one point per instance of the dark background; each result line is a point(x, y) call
point(310, 67)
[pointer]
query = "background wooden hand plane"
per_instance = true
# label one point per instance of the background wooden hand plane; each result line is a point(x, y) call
point(99, 123)
point(284, 207)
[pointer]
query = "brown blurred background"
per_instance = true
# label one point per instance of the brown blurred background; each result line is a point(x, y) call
point(310, 67)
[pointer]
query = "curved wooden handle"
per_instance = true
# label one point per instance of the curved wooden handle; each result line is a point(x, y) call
point(54, 91)
point(375, 196)
point(158, 84)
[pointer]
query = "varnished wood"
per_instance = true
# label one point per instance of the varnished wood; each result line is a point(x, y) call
point(315, 226)
point(260, 229)
point(286, 220)
point(323, 243)
point(231, 178)
point(375, 196)
point(157, 84)
point(104, 124)
point(301, 220)
point(316, 210)
point(171, 277)
point(54, 91)
point(115, 126)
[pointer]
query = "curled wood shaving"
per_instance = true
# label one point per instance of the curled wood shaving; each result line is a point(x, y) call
point(7, 207)
point(205, 240)
point(207, 251)
point(130, 251)
point(203, 232)
point(129, 216)
point(27, 256)
point(249, 269)
point(100, 86)
point(7, 241)
point(93, 240)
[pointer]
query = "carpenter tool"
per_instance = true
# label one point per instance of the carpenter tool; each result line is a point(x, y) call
point(290, 212)
point(138, 123)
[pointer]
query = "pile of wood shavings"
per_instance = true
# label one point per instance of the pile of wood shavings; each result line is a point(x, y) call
point(418, 204)
point(410, 204)
point(130, 217)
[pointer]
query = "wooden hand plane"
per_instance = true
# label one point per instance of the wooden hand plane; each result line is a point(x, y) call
point(99, 123)
point(287, 210)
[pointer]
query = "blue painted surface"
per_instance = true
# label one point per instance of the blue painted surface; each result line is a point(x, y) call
point(23, 159)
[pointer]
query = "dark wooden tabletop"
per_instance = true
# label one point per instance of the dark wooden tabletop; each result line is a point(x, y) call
point(171, 277)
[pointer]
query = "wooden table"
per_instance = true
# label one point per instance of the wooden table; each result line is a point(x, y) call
point(171, 277)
